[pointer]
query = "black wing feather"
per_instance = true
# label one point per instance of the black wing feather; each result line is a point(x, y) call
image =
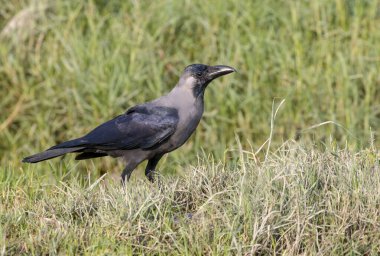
point(142, 127)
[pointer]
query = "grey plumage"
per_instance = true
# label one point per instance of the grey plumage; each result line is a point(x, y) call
point(146, 131)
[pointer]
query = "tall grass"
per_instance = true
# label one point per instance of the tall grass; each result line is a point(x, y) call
point(75, 64)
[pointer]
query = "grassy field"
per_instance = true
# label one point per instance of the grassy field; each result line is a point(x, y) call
point(298, 201)
point(312, 187)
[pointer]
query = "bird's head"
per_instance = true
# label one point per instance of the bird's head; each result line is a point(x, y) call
point(197, 76)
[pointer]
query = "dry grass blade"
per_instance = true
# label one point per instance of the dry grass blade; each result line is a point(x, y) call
point(13, 115)
point(24, 21)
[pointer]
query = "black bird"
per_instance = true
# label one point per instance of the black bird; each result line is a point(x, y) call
point(146, 131)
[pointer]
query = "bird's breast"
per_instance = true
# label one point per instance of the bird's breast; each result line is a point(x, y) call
point(188, 121)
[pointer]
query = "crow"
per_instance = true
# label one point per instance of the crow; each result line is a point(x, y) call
point(146, 131)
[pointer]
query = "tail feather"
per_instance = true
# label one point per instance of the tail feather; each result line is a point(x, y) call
point(88, 155)
point(80, 142)
point(48, 154)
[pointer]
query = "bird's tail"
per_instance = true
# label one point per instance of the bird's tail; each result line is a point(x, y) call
point(48, 154)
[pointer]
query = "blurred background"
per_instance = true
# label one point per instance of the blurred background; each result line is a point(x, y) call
point(67, 66)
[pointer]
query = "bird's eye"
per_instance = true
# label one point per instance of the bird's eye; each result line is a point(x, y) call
point(198, 74)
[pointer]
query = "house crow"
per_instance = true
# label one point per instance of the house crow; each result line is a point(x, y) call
point(146, 131)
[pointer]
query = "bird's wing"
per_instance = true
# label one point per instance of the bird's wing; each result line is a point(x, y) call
point(142, 127)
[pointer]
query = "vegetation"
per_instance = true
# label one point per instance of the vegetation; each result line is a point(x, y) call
point(312, 187)
point(297, 202)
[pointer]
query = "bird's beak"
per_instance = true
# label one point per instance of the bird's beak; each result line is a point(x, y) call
point(219, 70)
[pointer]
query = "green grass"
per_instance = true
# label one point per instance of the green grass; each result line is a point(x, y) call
point(67, 66)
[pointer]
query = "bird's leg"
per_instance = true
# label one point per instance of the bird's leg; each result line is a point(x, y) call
point(123, 175)
point(151, 167)
point(127, 172)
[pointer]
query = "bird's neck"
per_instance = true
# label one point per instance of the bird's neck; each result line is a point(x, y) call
point(183, 98)
point(186, 94)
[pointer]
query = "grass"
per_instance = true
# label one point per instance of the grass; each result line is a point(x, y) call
point(299, 201)
point(66, 66)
